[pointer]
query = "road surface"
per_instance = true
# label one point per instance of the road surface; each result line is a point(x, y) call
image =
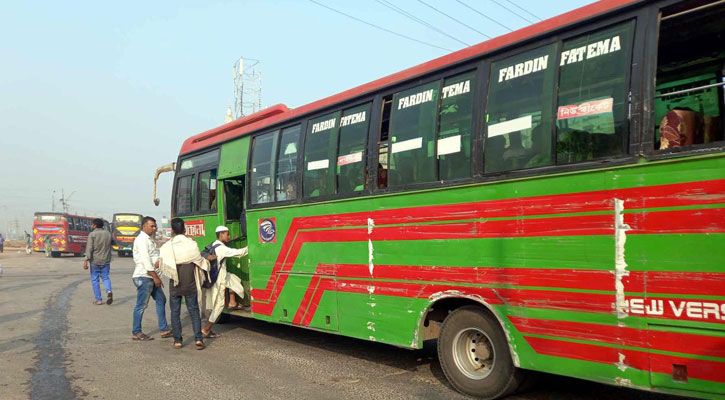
point(56, 344)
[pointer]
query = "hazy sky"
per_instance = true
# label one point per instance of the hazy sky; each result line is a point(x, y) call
point(95, 95)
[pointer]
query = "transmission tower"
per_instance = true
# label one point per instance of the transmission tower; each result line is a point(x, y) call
point(247, 87)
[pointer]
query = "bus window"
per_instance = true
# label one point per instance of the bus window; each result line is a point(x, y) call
point(351, 150)
point(518, 117)
point(383, 143)
point(412, 135)
point(262, 162)
point(690, 67)
point(207, 191)
point(454, 127)
point(320, 152)
point(210, 157)
point(183, 194)
point(592, 98)
point(286, 179)
point(233, 193)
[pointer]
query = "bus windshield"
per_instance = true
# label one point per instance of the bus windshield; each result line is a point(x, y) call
point(130, 219)
point(48, 218)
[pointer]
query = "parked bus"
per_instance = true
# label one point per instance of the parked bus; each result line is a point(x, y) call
point(549, 200)
point(124, 229)
point(67, 233)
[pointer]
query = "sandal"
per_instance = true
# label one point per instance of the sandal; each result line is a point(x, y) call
point(142, 337)
point(199, 345)
point(167, 334)
point(109, 298)
point(98, 303)
point(210, 335)
point(177, 345)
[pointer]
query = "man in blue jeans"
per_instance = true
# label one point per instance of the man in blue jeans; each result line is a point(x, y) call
point(185, 267)
point(148, 284)
point(98, 254)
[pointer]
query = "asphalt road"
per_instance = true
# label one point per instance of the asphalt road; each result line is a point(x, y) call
point(56, 344)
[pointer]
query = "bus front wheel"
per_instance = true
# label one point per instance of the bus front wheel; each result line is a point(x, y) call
point(474, 354)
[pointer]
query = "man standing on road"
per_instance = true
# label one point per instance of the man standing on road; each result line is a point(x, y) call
point(215, 294)
point(2, 243)
point(185, 267)
point(147, 281)
point(48, 243)
point(98, 254)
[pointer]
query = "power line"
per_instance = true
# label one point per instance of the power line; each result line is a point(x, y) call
point(523, 9)
point(453, 18)
point(380, 27)
point(513, 12)
point(418, 20)
point(484, 15)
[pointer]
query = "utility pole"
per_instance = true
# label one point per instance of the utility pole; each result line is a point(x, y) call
point(64, 200)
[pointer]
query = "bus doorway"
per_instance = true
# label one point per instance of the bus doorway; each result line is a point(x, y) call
point(235, 219)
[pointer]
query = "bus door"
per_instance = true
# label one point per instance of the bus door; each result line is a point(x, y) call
point(232, 204)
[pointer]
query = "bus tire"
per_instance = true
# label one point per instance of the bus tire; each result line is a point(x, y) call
point(55, 254)
point(475, 356)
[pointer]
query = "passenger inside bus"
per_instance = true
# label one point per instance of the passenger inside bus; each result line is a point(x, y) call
point(690, 68)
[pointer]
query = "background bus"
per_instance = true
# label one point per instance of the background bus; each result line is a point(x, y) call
point(124, 229)
point(549, 200)
point(67, 233)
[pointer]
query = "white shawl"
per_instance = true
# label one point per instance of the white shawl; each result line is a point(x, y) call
point(182, 250)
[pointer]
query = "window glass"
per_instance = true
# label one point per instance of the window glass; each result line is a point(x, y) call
point(210, 157)
point(262, 162)
point(690, 67)
point(286, 181)
point(320, 155)
point(207, 191)
point(72, 222)
point(351, 150)
point(383, 142)
point(234, 193)
point(592, 98)
point(183, 194)
point(412, 135)
point(454, 127)
point(519, 107)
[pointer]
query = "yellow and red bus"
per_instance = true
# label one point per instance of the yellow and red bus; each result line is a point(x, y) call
point(67, 233)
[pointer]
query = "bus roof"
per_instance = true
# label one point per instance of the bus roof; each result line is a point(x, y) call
point(280, 112)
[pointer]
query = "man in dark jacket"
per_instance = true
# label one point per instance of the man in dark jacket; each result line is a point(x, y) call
point(98, 254)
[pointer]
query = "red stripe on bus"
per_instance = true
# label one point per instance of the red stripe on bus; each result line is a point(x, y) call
point(641, 360)
point(305, 304)
point(700, 192)
point(705, 345)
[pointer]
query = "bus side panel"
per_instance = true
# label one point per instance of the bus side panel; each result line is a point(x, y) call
point(566, 262)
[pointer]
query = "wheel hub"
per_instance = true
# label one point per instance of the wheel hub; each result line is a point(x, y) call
point(473, 353)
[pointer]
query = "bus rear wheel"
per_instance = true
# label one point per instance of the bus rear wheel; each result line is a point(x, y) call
point(474, 354)
point(55, 254)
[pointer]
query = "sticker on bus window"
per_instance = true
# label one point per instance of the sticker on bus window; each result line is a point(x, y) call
point(505, 127)
point(588, 108)
point(349, 158)
point(405, 145)
point(195, 228)
point(319, 164)
point(449, 145)
point(267, 230)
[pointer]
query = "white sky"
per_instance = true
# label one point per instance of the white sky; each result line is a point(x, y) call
point(94, 96)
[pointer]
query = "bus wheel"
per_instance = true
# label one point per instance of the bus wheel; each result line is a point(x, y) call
point(474, 354)
point(55, 254)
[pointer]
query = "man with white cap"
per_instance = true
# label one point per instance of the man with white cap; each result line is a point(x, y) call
point(216, 293)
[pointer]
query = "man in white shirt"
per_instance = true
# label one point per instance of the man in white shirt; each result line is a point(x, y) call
point(215, 294)
point(148, 284)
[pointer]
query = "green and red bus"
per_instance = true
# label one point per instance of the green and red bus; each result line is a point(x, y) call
point(67, 233)
point(549, 200)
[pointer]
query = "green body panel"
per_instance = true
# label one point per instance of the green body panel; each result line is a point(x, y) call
point(398, 320)
point(233, 160)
